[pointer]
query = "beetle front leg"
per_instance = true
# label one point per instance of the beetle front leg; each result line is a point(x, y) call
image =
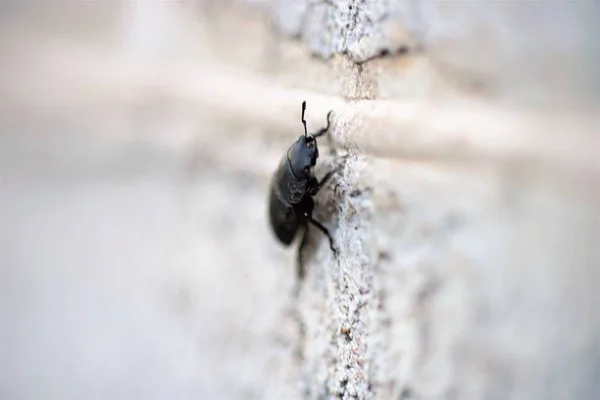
point(322, 131)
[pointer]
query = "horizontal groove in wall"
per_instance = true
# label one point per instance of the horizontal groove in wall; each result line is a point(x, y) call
point(394, 129)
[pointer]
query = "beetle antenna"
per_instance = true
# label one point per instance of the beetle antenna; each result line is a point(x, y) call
point(303, 121)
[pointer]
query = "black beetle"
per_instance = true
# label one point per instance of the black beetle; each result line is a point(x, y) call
point(292, 189)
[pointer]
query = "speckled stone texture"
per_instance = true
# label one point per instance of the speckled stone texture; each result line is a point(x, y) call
point(359, 29)
point(515, 48)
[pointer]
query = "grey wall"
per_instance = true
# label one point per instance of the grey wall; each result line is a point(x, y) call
point(137, 143)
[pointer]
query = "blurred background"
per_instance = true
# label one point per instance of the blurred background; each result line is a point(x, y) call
point(137, 144)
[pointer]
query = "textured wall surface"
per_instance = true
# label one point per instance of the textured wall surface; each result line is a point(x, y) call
point(137, 144)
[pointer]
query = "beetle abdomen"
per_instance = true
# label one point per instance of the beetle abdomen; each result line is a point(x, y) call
point(283, 218)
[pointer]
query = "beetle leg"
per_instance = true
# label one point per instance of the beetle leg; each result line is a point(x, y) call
point(313, 186)
point(327, 177)
point(300, 266)
point(325, 232)
point(322, 131)
point(316, 187)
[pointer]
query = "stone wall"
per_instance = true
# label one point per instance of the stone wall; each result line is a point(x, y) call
point(137, 145)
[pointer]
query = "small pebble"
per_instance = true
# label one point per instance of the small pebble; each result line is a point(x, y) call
point(345, 329)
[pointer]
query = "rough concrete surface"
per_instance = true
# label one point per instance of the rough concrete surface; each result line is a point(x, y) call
point(137, 144)
point(527, 51)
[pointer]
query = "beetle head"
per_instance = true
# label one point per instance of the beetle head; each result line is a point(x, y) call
point(302, 156)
